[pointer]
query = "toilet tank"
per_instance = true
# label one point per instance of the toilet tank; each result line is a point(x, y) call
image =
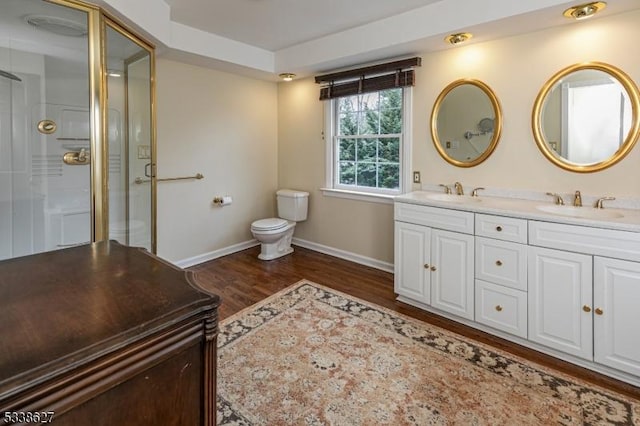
point(292, 205)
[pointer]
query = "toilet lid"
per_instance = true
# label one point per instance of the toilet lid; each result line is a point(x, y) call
point(269, 224)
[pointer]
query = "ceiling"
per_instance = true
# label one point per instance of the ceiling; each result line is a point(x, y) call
point(262, 38)
point(278, 24)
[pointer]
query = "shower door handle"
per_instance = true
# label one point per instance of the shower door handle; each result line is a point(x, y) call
point(147, 167)
point(73, 158)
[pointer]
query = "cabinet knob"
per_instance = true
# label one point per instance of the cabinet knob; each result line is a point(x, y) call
point(499, 262)
point(499, 228)
point(498, 308)
point(426, 266)
point(586, 308)
point(599, 311)
point(433, 268)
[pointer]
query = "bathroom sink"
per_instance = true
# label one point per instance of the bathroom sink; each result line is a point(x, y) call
point(584, 212)
point(452, 198)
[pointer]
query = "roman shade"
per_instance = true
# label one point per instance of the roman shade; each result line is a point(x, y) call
point(368, 79)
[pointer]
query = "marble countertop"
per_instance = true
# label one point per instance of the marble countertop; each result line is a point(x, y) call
point(608, 218)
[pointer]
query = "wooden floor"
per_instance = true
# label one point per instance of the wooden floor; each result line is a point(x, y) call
point(241, 280)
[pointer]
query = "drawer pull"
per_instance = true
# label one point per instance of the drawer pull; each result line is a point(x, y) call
point(498, 308)
point(426, 266)
point(433, 268)
point(499, 228)
point(586, 308)
point(599, 311)
point(499, 262)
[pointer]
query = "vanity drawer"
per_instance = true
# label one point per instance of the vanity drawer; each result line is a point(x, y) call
point(502, 228)
point(501, 308)
point(501, 262)
point(450, 220)
point(584, 239)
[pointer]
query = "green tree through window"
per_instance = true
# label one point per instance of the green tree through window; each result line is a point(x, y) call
point(368, 140)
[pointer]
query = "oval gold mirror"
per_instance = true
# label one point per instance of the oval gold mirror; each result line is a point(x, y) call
point(585, 118)
point(466, 122)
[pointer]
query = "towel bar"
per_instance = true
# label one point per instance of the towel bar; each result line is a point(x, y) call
point(140, 180)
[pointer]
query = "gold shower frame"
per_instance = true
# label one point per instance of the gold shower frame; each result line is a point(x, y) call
point(97, 21)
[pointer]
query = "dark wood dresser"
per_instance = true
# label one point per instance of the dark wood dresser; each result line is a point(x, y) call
point(104, 334)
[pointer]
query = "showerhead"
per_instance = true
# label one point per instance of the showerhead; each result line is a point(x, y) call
point(10, 76)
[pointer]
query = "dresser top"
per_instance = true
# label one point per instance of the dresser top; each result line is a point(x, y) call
point(62, 307)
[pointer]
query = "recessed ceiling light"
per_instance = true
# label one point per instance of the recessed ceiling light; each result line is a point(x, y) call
point(584, 11)
point(458, 38)
point(287, 76)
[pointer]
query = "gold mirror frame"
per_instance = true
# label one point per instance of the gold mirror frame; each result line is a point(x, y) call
point(497, 125)
point(625, 147)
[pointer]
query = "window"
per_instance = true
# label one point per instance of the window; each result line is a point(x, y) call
point(365, 137)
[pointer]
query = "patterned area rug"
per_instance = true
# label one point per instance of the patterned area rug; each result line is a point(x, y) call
point(310, 355)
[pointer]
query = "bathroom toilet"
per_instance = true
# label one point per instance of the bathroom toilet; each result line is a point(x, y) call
point(274, 234)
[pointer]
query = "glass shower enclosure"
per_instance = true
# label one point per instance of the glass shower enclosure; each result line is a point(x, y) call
point(77, 139)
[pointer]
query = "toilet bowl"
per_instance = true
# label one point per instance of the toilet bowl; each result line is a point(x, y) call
point(275, 234)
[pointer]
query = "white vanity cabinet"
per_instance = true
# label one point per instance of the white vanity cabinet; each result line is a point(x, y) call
point(586, 303)
point(434, 257)
point(566, 287)
point(501, 273)
point(560, 300)
point(412, 276)
point(616, 302)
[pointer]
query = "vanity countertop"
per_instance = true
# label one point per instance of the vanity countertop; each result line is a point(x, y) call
point(609, 218)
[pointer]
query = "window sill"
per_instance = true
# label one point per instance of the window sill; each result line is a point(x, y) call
point(359, 196)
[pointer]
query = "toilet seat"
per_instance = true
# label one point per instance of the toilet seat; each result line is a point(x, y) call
point(270, 224)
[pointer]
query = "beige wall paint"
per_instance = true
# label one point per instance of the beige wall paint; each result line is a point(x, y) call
point(515, 68)
point(359, 227)
point(225, 127)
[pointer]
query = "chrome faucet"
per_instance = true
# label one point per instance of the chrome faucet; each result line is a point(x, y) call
point(558, 199)
point(577, 201)
point(447, 190)
point(459, 189)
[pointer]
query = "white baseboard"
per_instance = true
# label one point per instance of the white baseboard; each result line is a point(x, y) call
point(343, 254)
point(201, 258)
point(332, 251)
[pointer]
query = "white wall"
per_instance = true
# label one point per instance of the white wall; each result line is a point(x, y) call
point(516, 68)
point(225, 127)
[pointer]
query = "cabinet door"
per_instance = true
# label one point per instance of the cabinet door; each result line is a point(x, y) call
point(616, 322)
point(452, 272)
point(560, 296)
point(411, 265)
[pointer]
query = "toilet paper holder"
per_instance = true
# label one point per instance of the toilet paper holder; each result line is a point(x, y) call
point(222, 201)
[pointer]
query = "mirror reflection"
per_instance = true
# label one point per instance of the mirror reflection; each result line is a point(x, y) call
point(466, 122)
point(585, 118)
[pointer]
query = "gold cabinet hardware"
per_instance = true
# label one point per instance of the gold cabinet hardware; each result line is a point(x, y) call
point(498, 308)
point(586, 308)
point(599, 311)
point(426, 266)
point(499, 262)
point(499, 228)
point(433, 268)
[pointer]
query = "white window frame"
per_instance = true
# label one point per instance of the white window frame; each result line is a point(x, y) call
point(376, 195)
